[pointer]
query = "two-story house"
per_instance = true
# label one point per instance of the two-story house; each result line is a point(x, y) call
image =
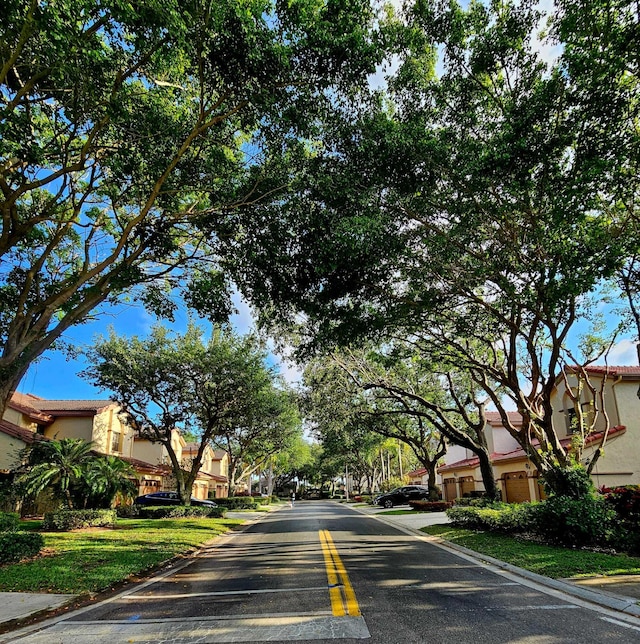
point(611, 407)
point(212, 481)
point(29, 418)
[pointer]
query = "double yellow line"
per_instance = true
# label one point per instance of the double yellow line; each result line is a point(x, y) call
point(343, 599)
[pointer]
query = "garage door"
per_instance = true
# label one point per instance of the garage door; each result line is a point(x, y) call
point(467, 484)
point(517, 487)
point(450, 491)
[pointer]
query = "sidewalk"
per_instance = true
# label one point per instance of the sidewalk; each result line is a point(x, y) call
point(17, 606)
point(621, 593)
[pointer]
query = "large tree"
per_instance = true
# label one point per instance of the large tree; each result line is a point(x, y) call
point(401, 394)
point(487, 198)
point(209, 388)
point(129, 131)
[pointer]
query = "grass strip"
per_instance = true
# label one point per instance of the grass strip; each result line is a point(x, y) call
point(88, 561)
point(551, 561)
point(405, 512)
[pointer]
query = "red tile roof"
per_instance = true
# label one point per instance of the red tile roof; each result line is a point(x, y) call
point(148, 468)
point(519, 454)
point(46, 410)
point(611, 370)
point(419, 472)
point(458, 465)
point(21, 433)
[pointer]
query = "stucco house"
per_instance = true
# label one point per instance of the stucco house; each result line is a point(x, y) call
point(29, 418)
point(613, 396)
point(94, 421)
point(212, 481)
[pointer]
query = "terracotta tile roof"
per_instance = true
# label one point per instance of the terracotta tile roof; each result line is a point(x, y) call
point(148, 468)
point(46, 410)
point(519, 454)
point(466, 462)
point(26, 404)
point(214, 477)
point(419, 472)
point(611, 370)
point(62, 407)
point(21, 433)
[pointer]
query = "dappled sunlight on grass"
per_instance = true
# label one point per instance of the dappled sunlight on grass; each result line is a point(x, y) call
point(551, 561)
point(93, 560)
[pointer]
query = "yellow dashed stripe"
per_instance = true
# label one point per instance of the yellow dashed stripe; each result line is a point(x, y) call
point(335, 570)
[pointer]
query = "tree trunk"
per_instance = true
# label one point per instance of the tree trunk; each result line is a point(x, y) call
point(486, 471)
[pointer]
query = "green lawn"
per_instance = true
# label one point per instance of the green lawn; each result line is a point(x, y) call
point(403, 512)
point(551, 561)
point(93, 560)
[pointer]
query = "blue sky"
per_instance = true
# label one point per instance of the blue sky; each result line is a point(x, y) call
point(56, 377)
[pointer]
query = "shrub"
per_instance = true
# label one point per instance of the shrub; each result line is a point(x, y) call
point(499, 517)
point(430, 506)
point(74, 519)
point(128, 511)
point(15, 546)
point(481, 501)
point(575, 522)
point(179, 511)
point(573, 482)
point(8, 521)
point(625, 502)
point(238, 503)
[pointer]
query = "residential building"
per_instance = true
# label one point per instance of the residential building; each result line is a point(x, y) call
point(612, 402)
point(29, 418)
point(212, 481)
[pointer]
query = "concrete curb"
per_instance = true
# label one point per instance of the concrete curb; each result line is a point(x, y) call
point(609, 600)
point(48, 615)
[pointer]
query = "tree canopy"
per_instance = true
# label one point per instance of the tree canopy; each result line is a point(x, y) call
point(132, 136)
point(220, 390)
point(490, 194)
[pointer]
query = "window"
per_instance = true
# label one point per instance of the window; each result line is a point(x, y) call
point(116, 441)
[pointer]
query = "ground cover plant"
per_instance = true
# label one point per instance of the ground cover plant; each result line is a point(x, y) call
point(552, 561)
point(89, 561)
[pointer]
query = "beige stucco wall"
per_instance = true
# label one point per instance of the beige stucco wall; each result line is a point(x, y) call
point(620, 464)
point(628, 404)
point(561, 403)
point(9, 448)
point(501, 440)
point(149, 452)
point(17, 418)
point(70, 427)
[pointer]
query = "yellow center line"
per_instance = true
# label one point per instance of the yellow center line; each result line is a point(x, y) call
point(337, 607)
point(335, 570)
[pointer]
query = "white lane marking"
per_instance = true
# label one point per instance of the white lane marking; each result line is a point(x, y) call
point(223, 593)
point(619, 623)
point(203, 618)
point(213, 631)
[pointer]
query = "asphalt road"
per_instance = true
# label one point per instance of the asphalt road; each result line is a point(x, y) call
point(322, 572)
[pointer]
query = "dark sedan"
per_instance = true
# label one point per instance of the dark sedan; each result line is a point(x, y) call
point(170, 498)
point(402, 495)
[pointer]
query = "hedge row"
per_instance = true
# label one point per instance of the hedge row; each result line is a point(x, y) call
point(179, 512)
point(74, 519)
point(8, 521)
point(560, 519)
point(430, 506)
point(238, 502)
point(15, 546)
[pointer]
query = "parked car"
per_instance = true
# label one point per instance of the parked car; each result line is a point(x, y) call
point(402, 495)
point(170, 498)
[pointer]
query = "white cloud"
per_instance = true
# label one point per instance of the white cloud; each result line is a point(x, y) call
point(623, 354)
